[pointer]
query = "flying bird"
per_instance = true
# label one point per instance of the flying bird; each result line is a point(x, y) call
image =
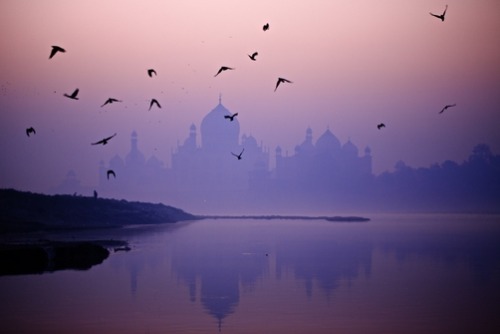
point(380, 126)
point(223, 68)
point(109, 173)
point(441, 17)
point(253, 56)
point(238, 156)
point(73, 95)
point(231, 117)
point(446, 107)
point(103, 141)
point(281, 80)
point(55, 49)
point(265, 27)
point(30, 130)
point(154, 101)
point(151, 72)
point(110, 100)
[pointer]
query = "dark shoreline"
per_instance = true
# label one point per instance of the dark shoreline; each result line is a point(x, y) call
point(45, 256)
point(24, 212)
point(26, 216)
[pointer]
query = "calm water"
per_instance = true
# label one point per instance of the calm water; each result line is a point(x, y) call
point(395, 274)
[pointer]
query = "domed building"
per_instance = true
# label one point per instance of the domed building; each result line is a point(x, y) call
point(210, 172)
point(219, 134)
point(135, 177)
point(207, 176)
point(349, 150)
point(324, 165)
point(327, 143)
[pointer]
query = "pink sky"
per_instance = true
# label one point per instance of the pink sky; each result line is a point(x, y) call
point(353, 65)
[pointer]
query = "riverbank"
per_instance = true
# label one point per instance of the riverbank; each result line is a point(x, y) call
point(48, 256)
point(28, 212)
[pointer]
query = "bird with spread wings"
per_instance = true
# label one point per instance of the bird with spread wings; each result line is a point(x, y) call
point(441, 17)
point(103, 141)
point(238, 156)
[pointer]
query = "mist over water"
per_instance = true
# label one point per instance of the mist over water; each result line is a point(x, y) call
point(217, 170)
point(393, 64)
point(397, 273)
point(387, 112)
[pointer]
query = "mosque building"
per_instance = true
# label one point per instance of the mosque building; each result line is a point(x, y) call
point(206, 174)
point(326, 163)
point(211, 169)
point(135, 176)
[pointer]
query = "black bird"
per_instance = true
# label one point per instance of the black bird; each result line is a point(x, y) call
point(441, 17)
point(253, 56)
point(73, 95)
point(103, 141)
point(265, 27)
point(231, 117)
point(30, 130)
point(110, 100)
point(154, 101)
point(151, 72)
point(280, 80)
point(109, 173)
point(223, 68)
point(446, 107)
point(380, 126)
point(55, 49)
point(238, 155)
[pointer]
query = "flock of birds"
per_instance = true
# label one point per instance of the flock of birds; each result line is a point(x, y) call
point(153, 102)
point(441, 17)
point(253, 58)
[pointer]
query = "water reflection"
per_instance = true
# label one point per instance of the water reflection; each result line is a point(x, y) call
point(454, 242)
point(327, 261)
point(221, 260)
point(400, 276)
point(241, 253)
point(220, 263)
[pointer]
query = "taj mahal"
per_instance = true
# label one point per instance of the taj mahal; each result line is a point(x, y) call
point(205, 177)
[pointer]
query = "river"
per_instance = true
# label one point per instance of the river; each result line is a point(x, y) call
point(394, 274)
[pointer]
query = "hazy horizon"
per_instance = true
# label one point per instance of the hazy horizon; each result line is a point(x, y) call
point(353, 65)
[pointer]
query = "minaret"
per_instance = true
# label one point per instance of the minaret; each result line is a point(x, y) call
point(134, 158)
point(192, 131)
point(191, 142)
point(309, 135)
point(133, 142)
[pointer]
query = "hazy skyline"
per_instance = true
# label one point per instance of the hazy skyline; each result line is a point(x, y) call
point(354, 64)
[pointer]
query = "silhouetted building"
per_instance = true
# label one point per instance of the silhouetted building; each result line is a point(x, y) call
point(136, 177)
point(71, 185)
point(206, 174)
point(327, 158)
point(209, 173)
point(322, 171)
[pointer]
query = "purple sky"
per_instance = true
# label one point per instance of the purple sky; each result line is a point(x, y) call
point(353, 65)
